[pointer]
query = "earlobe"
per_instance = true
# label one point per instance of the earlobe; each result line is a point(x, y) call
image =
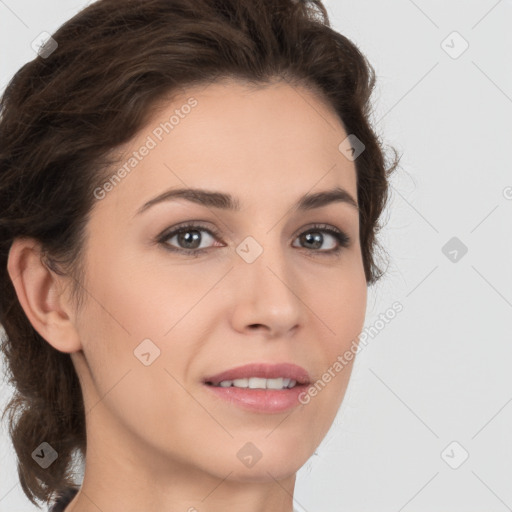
point(39, 292)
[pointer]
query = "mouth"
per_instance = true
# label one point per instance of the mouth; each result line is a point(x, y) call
point(261, 376)
point(260, 387)
point(257, 383)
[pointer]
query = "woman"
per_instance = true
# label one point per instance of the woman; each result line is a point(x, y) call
point(190, 195)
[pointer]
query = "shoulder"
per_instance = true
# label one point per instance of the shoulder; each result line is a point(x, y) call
point(63, 498)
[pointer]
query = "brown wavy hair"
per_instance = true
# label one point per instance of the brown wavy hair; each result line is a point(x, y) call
point(62, 115)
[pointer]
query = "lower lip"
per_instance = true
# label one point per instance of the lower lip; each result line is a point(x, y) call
point(260, 400)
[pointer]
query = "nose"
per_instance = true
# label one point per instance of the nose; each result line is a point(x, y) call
point(267, 295)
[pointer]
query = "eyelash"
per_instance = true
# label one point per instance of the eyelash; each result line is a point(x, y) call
point(343, 239)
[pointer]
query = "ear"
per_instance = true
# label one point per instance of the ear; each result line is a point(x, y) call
point(40, 293)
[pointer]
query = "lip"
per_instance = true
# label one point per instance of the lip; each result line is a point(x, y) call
point(260, 400)
point(262, 370)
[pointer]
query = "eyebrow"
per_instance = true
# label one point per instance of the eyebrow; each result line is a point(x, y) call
point(225, 201)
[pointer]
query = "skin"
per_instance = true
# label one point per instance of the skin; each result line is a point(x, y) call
point(157, 439)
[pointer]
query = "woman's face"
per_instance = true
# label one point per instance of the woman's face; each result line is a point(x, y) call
point(258, 284)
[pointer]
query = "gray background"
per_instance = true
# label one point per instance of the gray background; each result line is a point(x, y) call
point(439, 371)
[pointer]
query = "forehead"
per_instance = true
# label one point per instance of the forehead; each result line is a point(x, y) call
point(256, 142)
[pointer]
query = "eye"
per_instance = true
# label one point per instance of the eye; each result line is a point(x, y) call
point(188, 239)
point(314, 237)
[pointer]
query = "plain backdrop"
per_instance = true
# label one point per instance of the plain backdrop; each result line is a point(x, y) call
point(426, 421)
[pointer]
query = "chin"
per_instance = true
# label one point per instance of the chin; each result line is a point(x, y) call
point(263, 472)
point(260, 459)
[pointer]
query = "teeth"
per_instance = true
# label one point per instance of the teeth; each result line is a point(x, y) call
point(276, 383)
point(259, 383)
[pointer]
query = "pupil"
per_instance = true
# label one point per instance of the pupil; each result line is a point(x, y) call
point(183, 237)
point(315, 238)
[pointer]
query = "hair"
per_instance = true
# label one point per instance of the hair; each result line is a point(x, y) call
point(63, 114)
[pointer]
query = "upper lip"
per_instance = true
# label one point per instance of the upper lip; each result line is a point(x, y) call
point(262, 370)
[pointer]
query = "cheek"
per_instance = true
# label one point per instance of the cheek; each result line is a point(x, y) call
point(136, 300)
point(127, 318)
point(339, 315)
point(340, 304)
point(133, 310)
